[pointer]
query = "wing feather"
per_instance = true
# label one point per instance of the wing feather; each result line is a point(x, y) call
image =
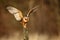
point(17, 13)
point(32, 10)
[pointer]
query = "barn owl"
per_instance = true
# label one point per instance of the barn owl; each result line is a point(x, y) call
point(18, 13)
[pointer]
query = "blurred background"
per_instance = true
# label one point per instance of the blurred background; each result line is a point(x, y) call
point(44, 24)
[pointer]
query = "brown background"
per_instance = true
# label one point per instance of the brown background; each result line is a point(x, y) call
point(44, 24)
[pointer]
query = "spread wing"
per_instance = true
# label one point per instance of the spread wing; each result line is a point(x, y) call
point(17, 13)
point(32, 10)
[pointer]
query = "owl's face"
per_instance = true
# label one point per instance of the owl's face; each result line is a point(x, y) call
point(25, 19)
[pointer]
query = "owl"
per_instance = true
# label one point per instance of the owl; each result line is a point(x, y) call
point(19, 15)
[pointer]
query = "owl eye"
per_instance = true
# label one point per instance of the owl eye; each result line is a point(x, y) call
point(17, 13)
